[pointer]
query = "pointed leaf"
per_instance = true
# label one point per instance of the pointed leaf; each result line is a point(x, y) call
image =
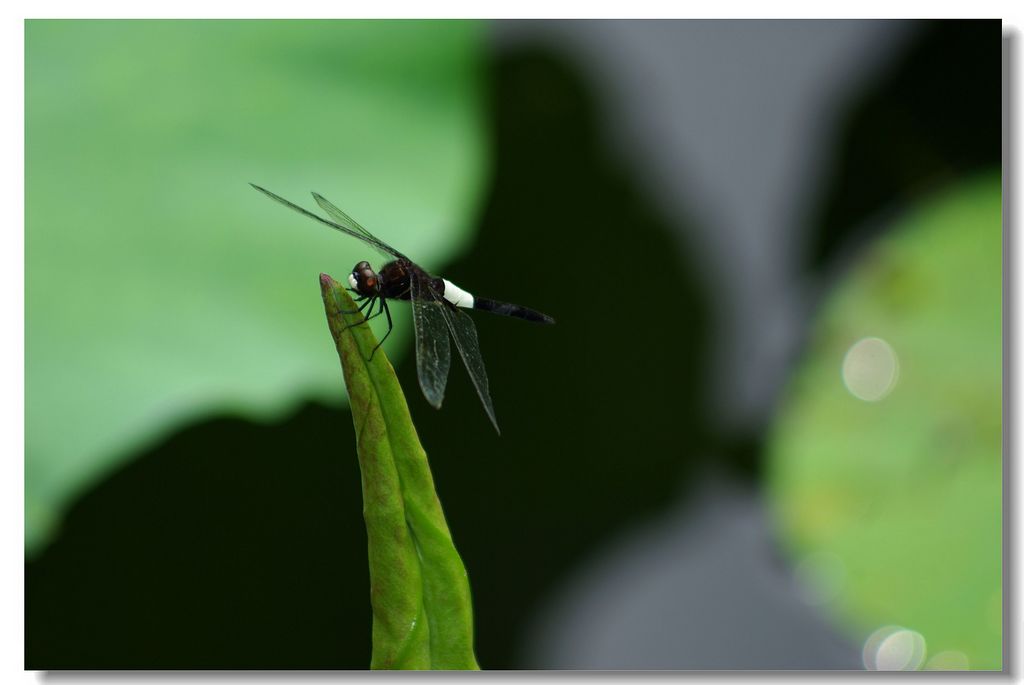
point(422, 613)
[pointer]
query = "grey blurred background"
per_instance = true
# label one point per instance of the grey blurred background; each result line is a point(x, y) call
point(728, 128)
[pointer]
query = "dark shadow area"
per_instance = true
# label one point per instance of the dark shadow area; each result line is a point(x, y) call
point(600, 413)
point(931, 118)
point(233, 545)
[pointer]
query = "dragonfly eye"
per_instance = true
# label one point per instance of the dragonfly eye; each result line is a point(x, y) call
point(364, 279)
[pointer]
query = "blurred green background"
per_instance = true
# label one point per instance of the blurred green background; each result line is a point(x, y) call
point(157, 291)
point(192, 494)
point(887, 453)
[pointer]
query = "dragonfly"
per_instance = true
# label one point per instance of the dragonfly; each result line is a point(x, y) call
point(437, 306)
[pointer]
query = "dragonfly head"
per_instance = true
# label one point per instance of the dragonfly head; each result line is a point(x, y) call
point(364, 280)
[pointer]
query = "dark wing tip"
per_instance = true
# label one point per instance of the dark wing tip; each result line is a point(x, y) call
point(489, 410)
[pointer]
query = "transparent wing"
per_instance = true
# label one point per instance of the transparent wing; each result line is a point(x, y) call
point(341, 217)
point(433, 353)
point(344, 219)
point(464, 332)
point(360, 232)
point(348, 222)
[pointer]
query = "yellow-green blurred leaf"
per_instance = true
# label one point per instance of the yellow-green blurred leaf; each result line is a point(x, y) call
point(886, 460)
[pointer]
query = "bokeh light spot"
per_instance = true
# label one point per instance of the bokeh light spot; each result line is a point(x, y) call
point(870, 369)
point(948, 660)
point(893, 648)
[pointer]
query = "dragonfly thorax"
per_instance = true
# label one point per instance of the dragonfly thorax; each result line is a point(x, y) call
point(364, 280)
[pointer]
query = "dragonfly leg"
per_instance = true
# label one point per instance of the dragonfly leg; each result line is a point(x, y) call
point(365, 301)
point(391, 327)
point(369, 302)
point(381, 310)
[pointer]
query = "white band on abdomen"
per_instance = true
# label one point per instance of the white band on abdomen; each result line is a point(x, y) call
point(456, 295)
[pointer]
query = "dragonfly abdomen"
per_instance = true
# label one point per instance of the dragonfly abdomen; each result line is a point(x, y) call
point(514, 310)
point(457, 296)
point(461, 298)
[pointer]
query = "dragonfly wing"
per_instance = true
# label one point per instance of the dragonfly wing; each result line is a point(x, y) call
point(433, 352)
point(345, 220)
point(464, 332)
point(363, 234)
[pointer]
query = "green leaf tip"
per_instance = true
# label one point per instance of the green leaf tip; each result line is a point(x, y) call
point(419, 591)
